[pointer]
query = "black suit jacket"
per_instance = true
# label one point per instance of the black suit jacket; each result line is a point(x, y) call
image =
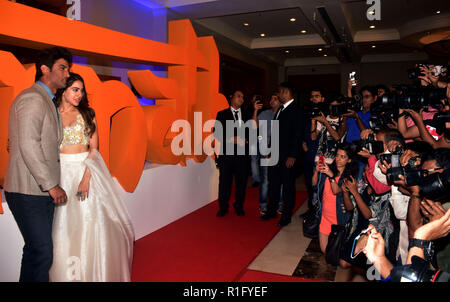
point(291, 131)
point(224, 116)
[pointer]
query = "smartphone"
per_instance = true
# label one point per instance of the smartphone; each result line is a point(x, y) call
point(351, 76)
point(321, 160)
point(360, 243)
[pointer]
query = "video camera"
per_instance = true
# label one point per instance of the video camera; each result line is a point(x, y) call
point(374, 147)
point(418, 271)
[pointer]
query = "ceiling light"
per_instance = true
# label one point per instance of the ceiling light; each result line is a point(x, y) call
point(372, 26)
point(374, 46)
point(303, 31)
point(262, 35)
point(325, 55)
point(286, 51)
point(372, 12)
point(292, 19)
point(320, 49)
point(246, 24)
point(438, 12)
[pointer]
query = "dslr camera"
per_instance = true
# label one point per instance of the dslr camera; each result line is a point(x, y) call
point(412, 97)
point(374, 147)
point(436, 186)
point(314, 109)
point(411, 173)
point(418, 271)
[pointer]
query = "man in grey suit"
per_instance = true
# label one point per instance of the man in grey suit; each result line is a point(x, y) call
point(33, 174)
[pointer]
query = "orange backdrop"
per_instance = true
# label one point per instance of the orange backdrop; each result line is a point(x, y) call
point(129, 133)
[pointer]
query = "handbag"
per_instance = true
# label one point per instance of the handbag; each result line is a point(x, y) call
point(336, 240)
point(311, 221)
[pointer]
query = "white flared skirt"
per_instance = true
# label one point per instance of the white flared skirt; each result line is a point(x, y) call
point(92, 239)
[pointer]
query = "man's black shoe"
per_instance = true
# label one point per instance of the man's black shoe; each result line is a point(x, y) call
point(283, 222)
point(221, 213)
point(268, 216)
point(239, 211)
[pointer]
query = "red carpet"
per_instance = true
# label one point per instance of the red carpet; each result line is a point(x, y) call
point(201, 247)
point(256, 276)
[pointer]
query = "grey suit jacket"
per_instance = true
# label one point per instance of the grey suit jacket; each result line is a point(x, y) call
point(35, 133)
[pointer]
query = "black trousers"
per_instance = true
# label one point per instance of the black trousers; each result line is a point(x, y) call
point(229, 166)
point(34, 217)
point(280, 175)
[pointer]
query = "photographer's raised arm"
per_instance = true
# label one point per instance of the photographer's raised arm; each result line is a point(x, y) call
point(407, 132)
point(414, 217)
point(314, 131)
point(342, 127)
point(353, 188)
point(424, 134)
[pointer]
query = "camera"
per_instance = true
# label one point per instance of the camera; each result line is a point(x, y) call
point(436, 186)
point(313, 110)
point(418, 271)
point(380, 120)
point(374, 147)
point(439, 120)
point(414, 73)
point(411, 173)
point(345, 105)
point(438, 70)
point(388, 156)
point(410, 97)
point(338, 110)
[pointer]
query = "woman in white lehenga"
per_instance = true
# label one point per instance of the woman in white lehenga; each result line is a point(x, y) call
point(92, 233)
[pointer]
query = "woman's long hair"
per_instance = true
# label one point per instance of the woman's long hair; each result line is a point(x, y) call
point(86, 112)
point(351, 168)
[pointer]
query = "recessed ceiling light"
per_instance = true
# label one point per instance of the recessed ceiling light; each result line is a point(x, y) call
point(246, 24)
point(262, 35)
point(438, 12)
point(372, 26)
point(303, 31)
point(325, 55)
point(374, 46)
point(292, 19)
point(372, 12)
point(287, 51)
point(320, 49)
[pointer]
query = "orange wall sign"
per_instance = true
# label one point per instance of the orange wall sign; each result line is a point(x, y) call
point(129, 133)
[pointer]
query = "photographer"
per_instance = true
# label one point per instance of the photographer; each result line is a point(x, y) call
point(359, 198)
point(355, 122)
point(328, 180)
point(374, 249)
point(409, 157)
point(330, 131)
point(429, 98)
point(441, 141)
point(428, 77)
point(310, 146)
point(388, 224)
